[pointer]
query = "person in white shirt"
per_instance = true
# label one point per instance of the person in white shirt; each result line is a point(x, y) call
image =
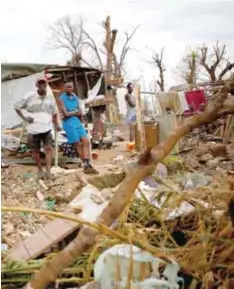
point(40, 113)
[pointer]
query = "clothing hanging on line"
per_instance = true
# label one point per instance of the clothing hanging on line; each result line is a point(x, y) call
point(195, 98)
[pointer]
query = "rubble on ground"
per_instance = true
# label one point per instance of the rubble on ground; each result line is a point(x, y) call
point(21, 189)
point(184, 211)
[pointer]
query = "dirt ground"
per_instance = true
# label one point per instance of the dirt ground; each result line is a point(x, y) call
point(21, 189)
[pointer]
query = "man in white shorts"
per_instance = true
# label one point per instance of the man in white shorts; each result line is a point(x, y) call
point(131, 111)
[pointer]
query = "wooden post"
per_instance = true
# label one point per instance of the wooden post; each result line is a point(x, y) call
point(56, 147)
point(139, 119)
point(109, 46)
point(76, 83)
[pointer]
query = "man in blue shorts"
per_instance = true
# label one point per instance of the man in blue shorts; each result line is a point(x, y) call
point(75, 131)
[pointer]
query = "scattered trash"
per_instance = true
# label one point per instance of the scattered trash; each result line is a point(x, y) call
point(98, 199)
point(195, 180)
point(8, 228)
point(43, 185)
point(160, 171)
point(4, 166)
point(25, 234)
point(50, 205)
point(40, 196)
point(150, 182)
point(172, 203)
point(60, 171)
point(118, 158)
point(76, 209)
point(10, 142)
point(27, 176)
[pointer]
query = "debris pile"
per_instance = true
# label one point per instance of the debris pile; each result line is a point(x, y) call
point(183, 214)
point(20, 188)
point(208, 156)
point(171, 218)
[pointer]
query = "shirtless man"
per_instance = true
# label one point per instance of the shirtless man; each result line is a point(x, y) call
point(131, 111)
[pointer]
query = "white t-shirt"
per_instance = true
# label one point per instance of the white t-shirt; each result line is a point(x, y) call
point(40, 109)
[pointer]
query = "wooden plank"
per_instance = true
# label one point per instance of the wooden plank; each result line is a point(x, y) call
point(139, 119)
point(56, 230)
point(21, 253)
point(35, 245)
point(115, 81)
point(35, 242)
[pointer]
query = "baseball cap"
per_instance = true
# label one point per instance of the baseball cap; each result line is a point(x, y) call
point(41, 79)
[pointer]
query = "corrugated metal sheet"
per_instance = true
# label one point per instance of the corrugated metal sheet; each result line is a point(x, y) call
point(16, 70)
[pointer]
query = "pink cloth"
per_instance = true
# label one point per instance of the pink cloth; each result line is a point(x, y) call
point(195, 97)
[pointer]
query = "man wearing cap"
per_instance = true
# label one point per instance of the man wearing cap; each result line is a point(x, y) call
point(40, 112)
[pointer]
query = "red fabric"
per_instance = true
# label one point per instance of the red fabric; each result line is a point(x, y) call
point(195, 97)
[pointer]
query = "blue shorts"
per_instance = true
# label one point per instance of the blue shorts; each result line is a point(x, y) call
point(74, 134)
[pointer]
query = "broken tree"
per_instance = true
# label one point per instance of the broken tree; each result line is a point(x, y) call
point(217, 60)
point(158, 61)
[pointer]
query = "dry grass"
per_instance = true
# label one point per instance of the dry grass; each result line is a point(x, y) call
point(201, 241)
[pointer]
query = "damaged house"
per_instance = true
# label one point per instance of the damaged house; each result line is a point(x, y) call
point(19, 79)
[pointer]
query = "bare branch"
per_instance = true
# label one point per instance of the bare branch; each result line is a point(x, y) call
point(158, 61)
point(92, 44)
point(227, 68)
point(219, 54)
point(216, 59)
point(68, 36)
point(86, 62)
point(126, 47)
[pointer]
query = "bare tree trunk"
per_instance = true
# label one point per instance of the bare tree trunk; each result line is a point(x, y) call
point(109, 45)
point(86, 238)
point(158, 60)
point(192, 72)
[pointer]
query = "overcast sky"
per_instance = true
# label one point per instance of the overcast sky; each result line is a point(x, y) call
point(174, 25)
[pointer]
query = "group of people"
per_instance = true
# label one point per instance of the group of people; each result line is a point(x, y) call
point(39, 111)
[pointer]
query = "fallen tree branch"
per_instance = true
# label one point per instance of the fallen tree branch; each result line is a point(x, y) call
point(99, 227)
point(86, 238)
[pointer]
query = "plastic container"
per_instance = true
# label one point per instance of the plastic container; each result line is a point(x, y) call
point(131, 146)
